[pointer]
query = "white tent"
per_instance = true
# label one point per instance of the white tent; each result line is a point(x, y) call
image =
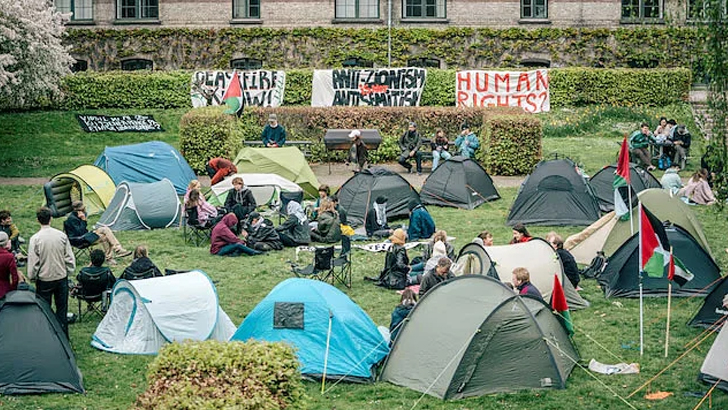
point(266, 188)
point(142, 206)
point(715, 367)
point(146, 314)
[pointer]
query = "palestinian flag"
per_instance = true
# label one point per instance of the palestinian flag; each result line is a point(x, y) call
point(621, 181)
point(233, 96)
point(654, 245)
point(677, 272)
point(558, 304)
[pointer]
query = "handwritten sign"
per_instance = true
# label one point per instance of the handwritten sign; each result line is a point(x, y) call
point(386, 87)
point(118, 123)
point(528, 90)
point(261, 88)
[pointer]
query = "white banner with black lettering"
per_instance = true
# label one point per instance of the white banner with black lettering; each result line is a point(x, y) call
point(261, 88)
point(528, 90)
point(381, 87)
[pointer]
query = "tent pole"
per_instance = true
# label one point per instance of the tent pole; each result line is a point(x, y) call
point(326, 356)
point(642, 330)
point(631, 219)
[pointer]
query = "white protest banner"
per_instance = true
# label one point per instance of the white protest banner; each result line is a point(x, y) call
point(381, 87)
point(261, 88)
point(528, 90)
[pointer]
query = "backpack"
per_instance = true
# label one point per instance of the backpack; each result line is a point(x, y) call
point(664, 162)
point(596, 267)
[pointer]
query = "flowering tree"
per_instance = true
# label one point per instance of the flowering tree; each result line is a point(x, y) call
point(32, 58)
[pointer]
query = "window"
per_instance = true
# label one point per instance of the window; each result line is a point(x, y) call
point(698, 10)
point(357, 9)
point(246, 9)
point(424, 63)
point(79, 65)
point(134, 64)
point(79, 9)
point(534, 9)
point(354, 62)
point(137, 9)
point(424, 9)
point(246, 64)
point(641, 9)
point(535, 63)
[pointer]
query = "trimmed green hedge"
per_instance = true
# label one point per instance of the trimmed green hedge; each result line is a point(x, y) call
point(511, 145)
point(206, 133)
point(568, 87)
point(224, 375)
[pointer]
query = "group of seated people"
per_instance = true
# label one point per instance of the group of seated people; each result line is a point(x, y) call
point(696, 191)
point(410, 142)
point(98, 272)
point(673, 139)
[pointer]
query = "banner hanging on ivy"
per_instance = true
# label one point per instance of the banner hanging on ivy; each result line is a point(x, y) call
point(118, 123)
point(385, 87)
point(261, 88)
point(528, 90)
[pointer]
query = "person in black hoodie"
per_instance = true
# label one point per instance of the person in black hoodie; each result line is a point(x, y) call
point(406, 304)
point(141, 264)
point(262, 235)
point(294, 231)
point(240, 201)
point(376, 219)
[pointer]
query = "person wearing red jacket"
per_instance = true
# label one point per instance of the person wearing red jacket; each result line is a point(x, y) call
point(218, 168)
point(223, 242)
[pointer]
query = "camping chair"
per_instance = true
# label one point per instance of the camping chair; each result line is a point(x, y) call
point(192, 230)
point(92, 289)
point(285, 198)
point(130, 274)
point(321, 266)
point(341, 265)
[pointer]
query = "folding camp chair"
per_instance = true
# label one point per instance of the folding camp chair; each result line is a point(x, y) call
point(341, 265)
point(91, 289)
point(320, 268)
point(192, 230)
point(130, 274)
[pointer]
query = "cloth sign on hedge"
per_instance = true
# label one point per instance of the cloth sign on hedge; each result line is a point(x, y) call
point(118, 123)
point(261, 88)
point(528, 90)
point(386, 87)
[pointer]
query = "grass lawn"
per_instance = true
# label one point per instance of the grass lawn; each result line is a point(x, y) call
point(603, 331)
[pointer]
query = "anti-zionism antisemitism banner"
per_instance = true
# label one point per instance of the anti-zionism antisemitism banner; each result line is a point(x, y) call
point(381, 87)
point(528, 90)
point(261, 88)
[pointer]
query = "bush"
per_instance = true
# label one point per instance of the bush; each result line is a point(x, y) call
point(512, 145)
point(206, 133)
point(216, 375)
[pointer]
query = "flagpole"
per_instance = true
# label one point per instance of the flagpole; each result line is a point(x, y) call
point(639, 267)
point(631, 218)
point(669, 298)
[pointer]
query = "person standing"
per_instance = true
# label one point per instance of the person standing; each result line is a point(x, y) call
point(50, 261)
point(409, 144)
point(218, 168)
point(439, 148)
point(358, 153)
point(273, 135)
point(467, 142)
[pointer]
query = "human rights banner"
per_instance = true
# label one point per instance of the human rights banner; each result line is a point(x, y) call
point(261, 88)
point(528, 90)
point(379, 87)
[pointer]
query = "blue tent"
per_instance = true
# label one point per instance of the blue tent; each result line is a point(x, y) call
point(297, 311)
point(146, 162)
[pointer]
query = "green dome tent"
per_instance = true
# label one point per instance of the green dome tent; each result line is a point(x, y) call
point(142, 206)
point(287, 162)
point(458, 182)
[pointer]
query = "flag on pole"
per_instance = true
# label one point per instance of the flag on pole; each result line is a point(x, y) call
point(558, 303)
point(233, 96)
point(622, 181)
point(654, 245)
point(677, 272)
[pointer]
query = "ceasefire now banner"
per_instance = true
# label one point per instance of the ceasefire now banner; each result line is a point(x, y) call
point(261, 88)
point(385, 87)
point(528, 90)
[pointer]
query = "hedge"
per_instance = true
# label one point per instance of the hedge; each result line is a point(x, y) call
point(224, 375)
point(568, 87)
point(511, 145)
point(206, 133)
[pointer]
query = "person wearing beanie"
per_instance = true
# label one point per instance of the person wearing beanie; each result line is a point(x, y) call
point(358, 153)
point(421, 224)
point(409, 144)
point(273, 135)
point(396, 263)
point(375, 222)
point(467, 142)
point(9, 277)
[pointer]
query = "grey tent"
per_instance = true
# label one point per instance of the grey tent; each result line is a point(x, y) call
point(715, 367)
point(358, 193)
point(554, 194)
point(602, 184)
point(713, 313)
point(35, 356)
point(535, 255)
point(458, 182)
point(472, 336)
point(142, 206)
point(620, 277)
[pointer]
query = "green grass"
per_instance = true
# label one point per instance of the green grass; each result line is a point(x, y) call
point(114, 381)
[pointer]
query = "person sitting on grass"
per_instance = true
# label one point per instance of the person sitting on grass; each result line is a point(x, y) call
point(96, 269)
point(421, 224)
point(376, 219)
point(521, 281)
point(328, 229)
point(406, 303)
point(567, 259)
point(394, 274)
point(427, 265)
point(262, 235)
point(639, 145)
point(76, 227)
point(223, 242)
point(294, 231)
point(323, 192)
point(484, 238)
point(141, 264)
point(520, 234)
point(671, 181)
point(428, 252)
point(441, 273)
point(697, 190)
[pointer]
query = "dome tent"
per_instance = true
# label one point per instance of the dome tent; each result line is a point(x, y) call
point(287, 162)
point(713, 313)
point(458, 182)
point(602, 184)
point(142, 206)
